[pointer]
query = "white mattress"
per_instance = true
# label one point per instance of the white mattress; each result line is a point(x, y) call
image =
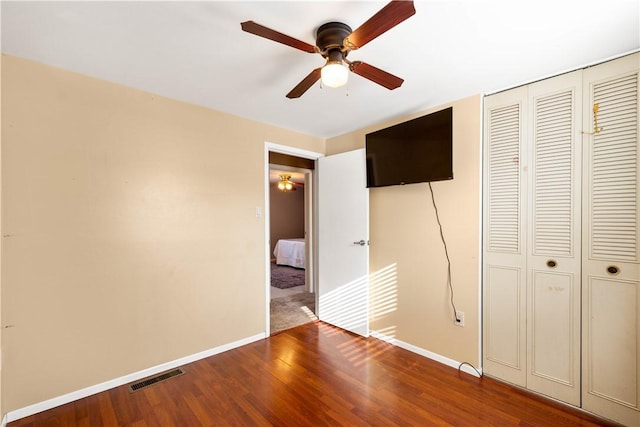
point(290, 252)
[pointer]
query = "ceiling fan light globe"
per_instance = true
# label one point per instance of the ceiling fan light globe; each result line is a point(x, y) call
point(334, 74)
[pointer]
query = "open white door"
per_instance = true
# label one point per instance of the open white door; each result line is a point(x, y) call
point(343, 242)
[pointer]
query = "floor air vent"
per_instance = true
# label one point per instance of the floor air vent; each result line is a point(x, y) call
point(154, 380)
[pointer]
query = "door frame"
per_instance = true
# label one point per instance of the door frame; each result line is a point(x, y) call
point(312, 238)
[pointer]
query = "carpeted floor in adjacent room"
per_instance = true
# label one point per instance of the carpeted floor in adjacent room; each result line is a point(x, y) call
point(291, 305)
point(292, 310)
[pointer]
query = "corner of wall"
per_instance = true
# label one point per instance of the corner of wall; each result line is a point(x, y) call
point(1, 329)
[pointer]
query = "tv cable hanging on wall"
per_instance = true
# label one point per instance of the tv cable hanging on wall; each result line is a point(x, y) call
point(449, 282)
point(446, 253)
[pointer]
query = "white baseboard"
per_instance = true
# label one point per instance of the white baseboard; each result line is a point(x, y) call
point(426, 353)
point(4, 421)
point(85, 392)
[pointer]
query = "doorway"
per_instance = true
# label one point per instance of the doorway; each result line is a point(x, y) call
point(289, 231)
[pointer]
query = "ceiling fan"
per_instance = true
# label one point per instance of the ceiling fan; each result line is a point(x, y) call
point(334, 41)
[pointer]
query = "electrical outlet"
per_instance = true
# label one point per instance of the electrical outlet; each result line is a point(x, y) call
point(459, 321)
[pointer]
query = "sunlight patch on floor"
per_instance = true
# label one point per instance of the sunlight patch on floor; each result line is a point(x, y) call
point(308, 312)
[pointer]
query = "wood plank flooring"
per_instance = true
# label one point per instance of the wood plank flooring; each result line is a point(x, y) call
point(316, 375)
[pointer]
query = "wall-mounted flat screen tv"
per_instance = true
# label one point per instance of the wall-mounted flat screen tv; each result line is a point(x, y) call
point(419, 150)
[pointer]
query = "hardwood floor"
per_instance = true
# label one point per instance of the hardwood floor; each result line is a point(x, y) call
point(316, 375)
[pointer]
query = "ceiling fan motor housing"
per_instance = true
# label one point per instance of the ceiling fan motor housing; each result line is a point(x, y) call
point(330, 36)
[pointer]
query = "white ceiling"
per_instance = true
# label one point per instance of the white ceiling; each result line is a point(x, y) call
point(196, 51)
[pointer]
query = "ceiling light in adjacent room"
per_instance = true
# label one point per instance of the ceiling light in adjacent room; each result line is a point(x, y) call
point(286, 184)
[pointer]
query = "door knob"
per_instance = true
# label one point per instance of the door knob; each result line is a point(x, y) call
point(361, 243)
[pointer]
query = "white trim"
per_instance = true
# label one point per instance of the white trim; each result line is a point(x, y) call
point(480, 241)
point(107, 385)
point(267, 243)
point(4, 421)
point(284, 149)
point(426, 353)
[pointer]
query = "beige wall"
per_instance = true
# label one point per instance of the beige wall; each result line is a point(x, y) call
point(131, 236)
point(405, 242)
point(286, 214)
point(127, 245)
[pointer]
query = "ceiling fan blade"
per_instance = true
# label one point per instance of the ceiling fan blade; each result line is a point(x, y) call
point(376, 75)
point(305, 84)
point(268, 33)
point(386, 18)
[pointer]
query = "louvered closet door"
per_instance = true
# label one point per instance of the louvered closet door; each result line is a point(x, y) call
point(504, 280)
point(554, 251)
point(611, 289)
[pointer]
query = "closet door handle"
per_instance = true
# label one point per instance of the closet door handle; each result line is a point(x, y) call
point(613, 270)
point(552, 263)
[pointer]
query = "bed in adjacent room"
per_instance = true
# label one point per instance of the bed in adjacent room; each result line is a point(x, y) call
point(290, 252)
